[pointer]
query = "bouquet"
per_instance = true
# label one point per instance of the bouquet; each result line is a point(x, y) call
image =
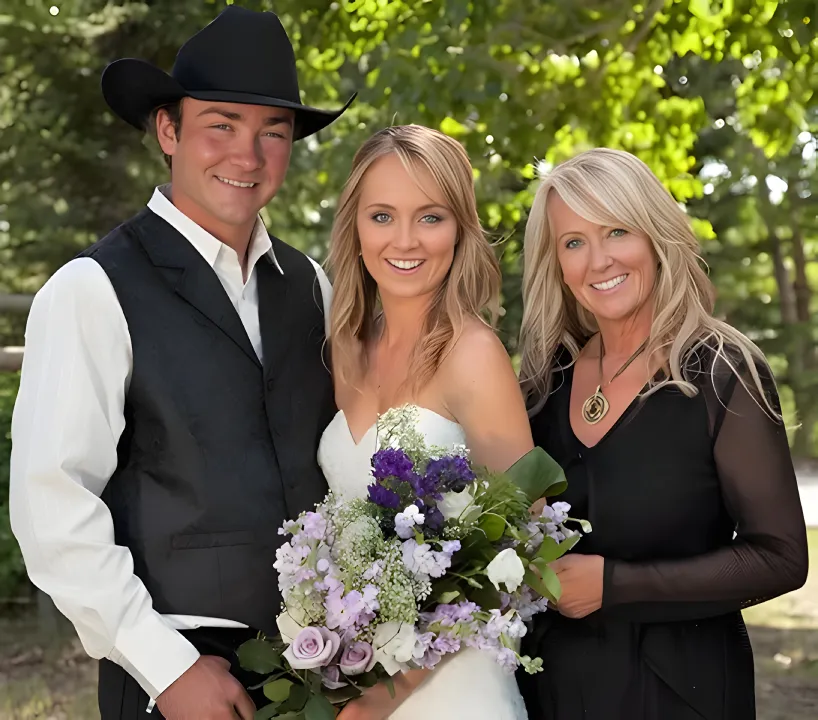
point(438, 557)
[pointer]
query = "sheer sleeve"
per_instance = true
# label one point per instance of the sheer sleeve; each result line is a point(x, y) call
point(768, 554)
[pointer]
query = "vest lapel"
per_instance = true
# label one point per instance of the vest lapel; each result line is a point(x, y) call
point(273, 317)
point(192, 278)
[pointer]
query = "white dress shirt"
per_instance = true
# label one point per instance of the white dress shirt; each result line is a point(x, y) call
point(67, 421)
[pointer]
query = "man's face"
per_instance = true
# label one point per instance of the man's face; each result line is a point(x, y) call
point(228, 160)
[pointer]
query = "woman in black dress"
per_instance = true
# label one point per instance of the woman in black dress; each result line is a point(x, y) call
point(667, 423)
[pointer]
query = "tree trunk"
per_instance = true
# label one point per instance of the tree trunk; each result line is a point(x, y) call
point(794, 302)
point(804, 348)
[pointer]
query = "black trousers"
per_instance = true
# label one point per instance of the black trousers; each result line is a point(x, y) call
point(121, 697)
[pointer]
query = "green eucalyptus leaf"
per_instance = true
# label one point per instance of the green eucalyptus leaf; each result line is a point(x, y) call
point(278, 690)
point(267, 712)
point(538, 475)
point(259, 656)
point(493, 526)
point(319, 708)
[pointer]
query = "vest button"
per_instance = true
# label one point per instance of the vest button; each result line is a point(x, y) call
point(270, 385)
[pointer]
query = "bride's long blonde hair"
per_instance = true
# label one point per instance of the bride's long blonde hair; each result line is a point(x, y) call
point(471, 288)
point(615, 188)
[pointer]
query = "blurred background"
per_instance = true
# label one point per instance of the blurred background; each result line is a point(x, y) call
point(719, 97)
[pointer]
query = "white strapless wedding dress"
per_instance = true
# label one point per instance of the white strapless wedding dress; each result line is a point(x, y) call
point(468, 685)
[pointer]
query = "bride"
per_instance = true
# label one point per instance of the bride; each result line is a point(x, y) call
point(416, 286)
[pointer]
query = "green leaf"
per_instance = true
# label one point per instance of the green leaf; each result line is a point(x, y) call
point(278, 690)
point(319, 708)
point(550, 550)
point(700, 8)
point(487, 597)
point(493, 526)
point(390, 685)
point(297, 699)
point(267, 712)
point(448, 597)
point(538, 475)
point(548, 585)
point(341, 695)
point(259, 656)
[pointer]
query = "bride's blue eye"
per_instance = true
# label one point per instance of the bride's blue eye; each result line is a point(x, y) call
point(381, 217)
point(573, 243)
point(431, 219)
point(618, 232)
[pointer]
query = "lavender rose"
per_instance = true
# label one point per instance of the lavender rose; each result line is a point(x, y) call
point(312, 648)
point(356, 658)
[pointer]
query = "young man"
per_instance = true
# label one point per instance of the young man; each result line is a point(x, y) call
point(174, 388)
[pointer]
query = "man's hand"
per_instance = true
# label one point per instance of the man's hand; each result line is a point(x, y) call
point(207, 691)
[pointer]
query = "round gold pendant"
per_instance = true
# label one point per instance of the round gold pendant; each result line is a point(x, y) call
point(595, 408)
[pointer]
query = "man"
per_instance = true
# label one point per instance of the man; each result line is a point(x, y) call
point(174, 388)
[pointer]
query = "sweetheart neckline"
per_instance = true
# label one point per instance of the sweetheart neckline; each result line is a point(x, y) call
point(374, 425)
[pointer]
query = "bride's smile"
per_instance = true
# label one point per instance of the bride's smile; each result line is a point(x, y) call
point(407, 230)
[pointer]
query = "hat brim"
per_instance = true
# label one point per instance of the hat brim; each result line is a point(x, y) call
point(134, 88)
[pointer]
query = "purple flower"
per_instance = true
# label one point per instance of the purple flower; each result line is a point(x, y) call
point(354, 608)
point(331, 677)
point(434, 519)
point(422, 560)
point(383, 496)
point(315, 525)
point(507, 660)
point(425, 486)
point(312, 648)
point(450, 474)
point(392, 463)
point(356, 658)
point(464, 611)
point(444, 645)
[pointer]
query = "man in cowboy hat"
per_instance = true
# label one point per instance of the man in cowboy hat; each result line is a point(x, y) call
point(174, 388)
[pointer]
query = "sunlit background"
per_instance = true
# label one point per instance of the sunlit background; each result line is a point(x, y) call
point(719, 97)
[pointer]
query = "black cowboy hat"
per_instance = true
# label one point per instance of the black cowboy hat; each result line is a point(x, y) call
point(242, 56)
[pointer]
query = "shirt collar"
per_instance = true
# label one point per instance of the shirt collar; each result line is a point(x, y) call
point(206, 244)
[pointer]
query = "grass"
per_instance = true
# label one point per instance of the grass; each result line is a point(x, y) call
point(45, 675)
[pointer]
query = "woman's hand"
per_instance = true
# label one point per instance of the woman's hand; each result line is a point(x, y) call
point(377, 704)
point(581, 579)
point(536, 509)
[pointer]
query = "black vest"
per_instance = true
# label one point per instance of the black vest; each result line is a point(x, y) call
point(217, 450)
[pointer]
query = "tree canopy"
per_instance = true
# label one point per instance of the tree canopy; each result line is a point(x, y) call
point(718, 97)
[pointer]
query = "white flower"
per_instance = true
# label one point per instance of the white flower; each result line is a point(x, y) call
point(405, 521)
point(454, 504)
point(506, 568)
point(393, 644)
point(288, 627)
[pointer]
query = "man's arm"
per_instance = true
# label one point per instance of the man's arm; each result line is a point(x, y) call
point(66, 425)
point(326, 293)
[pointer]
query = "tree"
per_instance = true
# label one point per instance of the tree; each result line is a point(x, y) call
point(688, 85)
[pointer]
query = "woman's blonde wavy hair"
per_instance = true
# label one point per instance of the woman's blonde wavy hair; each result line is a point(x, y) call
point(471, 288)
point(615, 189)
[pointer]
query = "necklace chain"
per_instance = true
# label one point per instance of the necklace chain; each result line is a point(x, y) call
point(596, 407)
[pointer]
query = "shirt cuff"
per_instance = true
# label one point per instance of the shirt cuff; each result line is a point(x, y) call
point(153, 653)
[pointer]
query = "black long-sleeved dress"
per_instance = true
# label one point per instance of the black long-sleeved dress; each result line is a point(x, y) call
point(695, 509)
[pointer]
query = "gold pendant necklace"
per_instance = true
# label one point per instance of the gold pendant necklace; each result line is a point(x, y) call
point(596, 407)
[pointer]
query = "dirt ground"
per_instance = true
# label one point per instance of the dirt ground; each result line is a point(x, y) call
point(47, 676)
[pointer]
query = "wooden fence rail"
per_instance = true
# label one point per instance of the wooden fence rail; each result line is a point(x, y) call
point(15, 303)
point(11, 358)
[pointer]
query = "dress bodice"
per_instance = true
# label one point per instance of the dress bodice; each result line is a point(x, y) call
point(347, 464)
point(467, 684)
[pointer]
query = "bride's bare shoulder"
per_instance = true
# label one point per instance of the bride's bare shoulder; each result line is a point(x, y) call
point(477, 354)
